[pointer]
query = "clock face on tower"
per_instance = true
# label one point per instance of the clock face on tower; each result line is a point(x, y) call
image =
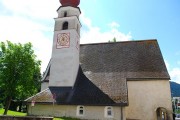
point(63, 40)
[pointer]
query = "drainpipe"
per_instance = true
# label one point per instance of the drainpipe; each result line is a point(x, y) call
point(121, 113)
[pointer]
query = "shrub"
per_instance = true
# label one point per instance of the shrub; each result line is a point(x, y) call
point(1, 105)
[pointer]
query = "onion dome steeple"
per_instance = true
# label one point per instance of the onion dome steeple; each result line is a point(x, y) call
point(73, 3)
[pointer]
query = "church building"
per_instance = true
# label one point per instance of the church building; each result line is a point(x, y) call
point(125, 80)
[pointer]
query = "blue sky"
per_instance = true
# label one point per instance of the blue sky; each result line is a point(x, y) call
point(24, 21)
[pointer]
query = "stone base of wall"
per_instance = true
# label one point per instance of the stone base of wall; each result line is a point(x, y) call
point(132, 119)
point(25, 118)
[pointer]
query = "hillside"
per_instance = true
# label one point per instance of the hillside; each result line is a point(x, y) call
point(175, 89)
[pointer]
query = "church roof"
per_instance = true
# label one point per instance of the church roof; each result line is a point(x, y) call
point(104, 71)
point(130, 59)
point(84, 92)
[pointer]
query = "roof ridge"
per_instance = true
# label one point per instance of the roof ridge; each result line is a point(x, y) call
point(147, 40)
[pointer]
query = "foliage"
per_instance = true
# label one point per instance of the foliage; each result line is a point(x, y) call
point(1, 105)
point(13, 113)
point(113, 40)
point(19, 72)
point(177, 111)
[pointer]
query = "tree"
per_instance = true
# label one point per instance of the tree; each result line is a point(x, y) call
point(19, 72)
point(113, 40)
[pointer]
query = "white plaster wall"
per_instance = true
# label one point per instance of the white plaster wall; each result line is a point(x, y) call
point(72, 18)
point(65, 61)
point(44, 85)
point(91, 112)
point(73, 21)
point(71, 11)
point(145, 97)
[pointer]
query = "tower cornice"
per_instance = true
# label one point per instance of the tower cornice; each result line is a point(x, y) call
point(69, 6)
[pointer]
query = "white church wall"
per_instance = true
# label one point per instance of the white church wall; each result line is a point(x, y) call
point(90, 112)
point(44, 85)
point(146, 96)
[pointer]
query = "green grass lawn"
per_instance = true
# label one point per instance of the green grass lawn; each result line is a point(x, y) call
point(13, 113)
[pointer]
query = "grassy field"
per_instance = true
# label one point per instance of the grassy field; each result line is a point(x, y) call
point(13, 113)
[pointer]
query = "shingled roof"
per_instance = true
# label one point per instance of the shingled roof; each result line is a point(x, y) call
point(131, 59)
point(106, 67)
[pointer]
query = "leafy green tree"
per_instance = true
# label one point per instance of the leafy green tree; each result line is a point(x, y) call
point(19, 72)
point(113, 40)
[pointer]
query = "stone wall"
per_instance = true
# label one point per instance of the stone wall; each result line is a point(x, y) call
point(25, 118)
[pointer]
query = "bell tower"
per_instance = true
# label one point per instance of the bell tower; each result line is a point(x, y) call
point(65, 50)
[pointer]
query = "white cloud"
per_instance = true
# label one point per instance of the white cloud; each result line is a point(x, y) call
point(94, 35)
point(174, 72)
point(32, 21)
point(114, 25)
point(24, 23)
point(167, 65)
point(32, 8)
point(17, 29)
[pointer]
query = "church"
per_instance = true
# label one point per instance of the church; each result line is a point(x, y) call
point(125, 80)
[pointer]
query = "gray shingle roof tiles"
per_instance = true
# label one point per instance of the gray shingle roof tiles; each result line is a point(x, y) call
point(106, 68)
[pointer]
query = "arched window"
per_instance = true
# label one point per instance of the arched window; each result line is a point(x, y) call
point(80, 110)
point(108, 111)
point(65, 26)
point(65, 14)
point(161, 113)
